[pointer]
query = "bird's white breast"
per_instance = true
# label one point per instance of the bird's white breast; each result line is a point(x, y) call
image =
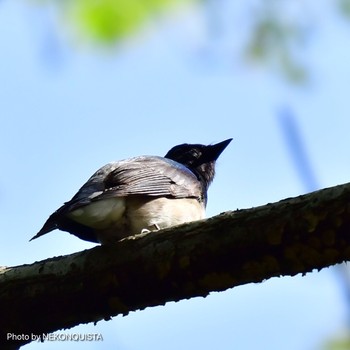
point(119, 217)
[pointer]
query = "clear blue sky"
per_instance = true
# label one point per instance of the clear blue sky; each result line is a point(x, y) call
point(66, 110)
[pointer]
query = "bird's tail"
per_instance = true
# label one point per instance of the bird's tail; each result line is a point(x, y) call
point(50, 225)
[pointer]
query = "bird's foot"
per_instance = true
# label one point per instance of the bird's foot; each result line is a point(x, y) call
point(146, 230)
point(143, 232)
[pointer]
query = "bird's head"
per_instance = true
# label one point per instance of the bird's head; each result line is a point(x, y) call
point(199, 158)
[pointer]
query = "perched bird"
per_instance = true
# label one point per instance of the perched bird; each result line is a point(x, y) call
point(140, 194)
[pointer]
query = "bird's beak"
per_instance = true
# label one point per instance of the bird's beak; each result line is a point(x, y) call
point(218, 148)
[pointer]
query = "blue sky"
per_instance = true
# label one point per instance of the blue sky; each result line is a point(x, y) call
point(68, 109)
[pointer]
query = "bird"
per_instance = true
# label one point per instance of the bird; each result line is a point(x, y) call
point(140, 194)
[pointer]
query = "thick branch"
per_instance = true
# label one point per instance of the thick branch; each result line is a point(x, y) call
point(292, 236)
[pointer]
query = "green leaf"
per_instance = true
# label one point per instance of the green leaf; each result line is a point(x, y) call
point(111, 20)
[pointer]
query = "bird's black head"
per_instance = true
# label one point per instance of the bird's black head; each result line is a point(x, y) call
point(199, 158)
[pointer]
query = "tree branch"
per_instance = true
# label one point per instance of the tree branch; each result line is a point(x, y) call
point(292, 236)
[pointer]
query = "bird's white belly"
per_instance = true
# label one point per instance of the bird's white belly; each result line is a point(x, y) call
point(116, 218)
point(161, 213)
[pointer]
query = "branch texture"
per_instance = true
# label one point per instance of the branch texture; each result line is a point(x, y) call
point(292, 236)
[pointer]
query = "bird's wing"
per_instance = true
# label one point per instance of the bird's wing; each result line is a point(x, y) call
point(145, 175)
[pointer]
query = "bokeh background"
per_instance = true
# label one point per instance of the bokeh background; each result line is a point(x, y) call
point(85, 82)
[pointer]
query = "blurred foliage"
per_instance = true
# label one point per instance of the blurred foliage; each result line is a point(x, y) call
point(108, 21)
point(275, 41)
point(340, 343)
point(271, 43)
point(344, 6)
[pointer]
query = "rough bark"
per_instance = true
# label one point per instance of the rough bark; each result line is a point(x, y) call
point(296, 235)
